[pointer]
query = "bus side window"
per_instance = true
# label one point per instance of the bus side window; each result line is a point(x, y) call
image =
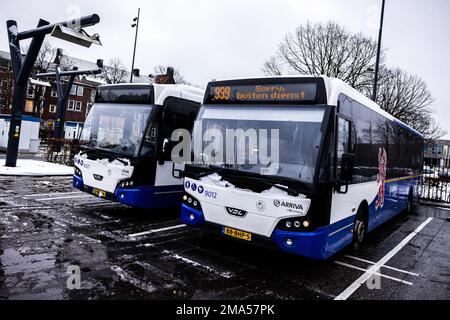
point(150, 140)
point(344, 140)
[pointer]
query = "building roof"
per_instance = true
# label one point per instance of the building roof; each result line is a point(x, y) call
point(85, 65)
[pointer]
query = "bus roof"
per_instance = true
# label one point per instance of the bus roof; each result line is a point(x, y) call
point(334, 87)
point(163, 91)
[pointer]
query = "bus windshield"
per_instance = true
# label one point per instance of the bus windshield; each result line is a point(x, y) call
point(116, 128)
point(297, 130)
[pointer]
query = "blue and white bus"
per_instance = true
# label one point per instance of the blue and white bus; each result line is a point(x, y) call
point(345, 166)
point(125, 145)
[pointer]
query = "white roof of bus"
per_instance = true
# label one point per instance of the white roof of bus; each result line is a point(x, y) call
point(334, 88)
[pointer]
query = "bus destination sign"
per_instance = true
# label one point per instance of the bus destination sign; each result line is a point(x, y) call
point(279, 93)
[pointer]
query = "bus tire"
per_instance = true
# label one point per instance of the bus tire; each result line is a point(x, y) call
point(360, 229)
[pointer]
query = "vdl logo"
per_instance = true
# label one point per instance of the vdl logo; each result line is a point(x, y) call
point(201, 189)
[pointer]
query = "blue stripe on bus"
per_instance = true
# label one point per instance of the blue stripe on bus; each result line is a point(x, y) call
point(149, 197)
point(327, 241)
point(144, 197)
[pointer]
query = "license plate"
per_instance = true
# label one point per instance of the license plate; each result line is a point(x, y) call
point(99, 193)
point(237, 234)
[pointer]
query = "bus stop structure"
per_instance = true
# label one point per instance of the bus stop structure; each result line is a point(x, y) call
point(70, 31)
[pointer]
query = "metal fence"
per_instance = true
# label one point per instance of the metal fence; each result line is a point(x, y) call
point(436, 184)
point(60, 151)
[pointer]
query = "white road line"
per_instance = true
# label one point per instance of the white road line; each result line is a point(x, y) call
point(63, 198)
point(371, 271)
point(376, 273)
point(387, 267)
point(52, 194)
point(207, 268)
point(156, 231)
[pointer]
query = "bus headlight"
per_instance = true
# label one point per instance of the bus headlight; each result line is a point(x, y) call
point(192, 202)
point(78, 172)
point(127, 183)
point(302, 224)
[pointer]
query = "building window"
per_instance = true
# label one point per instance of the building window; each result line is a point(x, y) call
point(73, 90)
point(80, 91)
point(53, 94)
point(71, 105)
point(30, 91)
point(78, 106)
point(52, 108)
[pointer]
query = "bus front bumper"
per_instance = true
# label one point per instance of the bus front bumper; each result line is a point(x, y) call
point(307, 244)
point(139, 197)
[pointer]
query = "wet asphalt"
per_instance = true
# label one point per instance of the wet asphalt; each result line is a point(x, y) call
point(46, 226)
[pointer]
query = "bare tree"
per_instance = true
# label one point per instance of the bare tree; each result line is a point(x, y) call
point(408, 98)
point(328, 49)
point(179, 79)
point(66, 63)
point(325, 49)
point(114, 72)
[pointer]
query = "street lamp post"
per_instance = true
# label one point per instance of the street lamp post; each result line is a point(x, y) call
point(135, 25)
point(22, 67)
point(377, 64)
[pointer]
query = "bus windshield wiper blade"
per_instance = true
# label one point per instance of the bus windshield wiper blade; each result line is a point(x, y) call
point(288, 190)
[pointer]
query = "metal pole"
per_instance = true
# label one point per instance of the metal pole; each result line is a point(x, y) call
point(377, 64)
point(135, 44)
point(21, 70)
point(64, 106)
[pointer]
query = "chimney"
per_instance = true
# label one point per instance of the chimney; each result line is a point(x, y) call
point(167, 78)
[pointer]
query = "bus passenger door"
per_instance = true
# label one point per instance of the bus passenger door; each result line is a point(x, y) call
point(177, 114)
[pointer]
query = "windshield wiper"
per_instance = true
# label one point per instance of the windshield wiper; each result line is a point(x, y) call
point(214, 169)
point(289, 191)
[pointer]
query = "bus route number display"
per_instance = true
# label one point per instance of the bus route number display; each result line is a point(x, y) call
point(264, 93)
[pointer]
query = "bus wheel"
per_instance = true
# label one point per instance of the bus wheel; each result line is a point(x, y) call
point(360, 230)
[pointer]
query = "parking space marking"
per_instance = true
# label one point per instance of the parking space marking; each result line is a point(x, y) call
point(198, 265)
point(157, 231)
point(387, 267)
point(376, 273)
point(63, 198)
point(38, 195)
point(372, 270)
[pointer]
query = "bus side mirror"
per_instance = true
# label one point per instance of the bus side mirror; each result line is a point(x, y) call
point(347, 170)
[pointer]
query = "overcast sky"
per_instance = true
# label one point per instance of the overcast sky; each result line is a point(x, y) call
point(212, 39)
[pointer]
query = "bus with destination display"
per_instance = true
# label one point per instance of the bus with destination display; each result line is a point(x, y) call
point(125, 145)
point(305, 164)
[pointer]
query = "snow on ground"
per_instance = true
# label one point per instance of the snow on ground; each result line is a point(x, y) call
point(30, 167)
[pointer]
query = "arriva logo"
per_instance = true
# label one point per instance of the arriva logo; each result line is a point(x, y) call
point(288, 205)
